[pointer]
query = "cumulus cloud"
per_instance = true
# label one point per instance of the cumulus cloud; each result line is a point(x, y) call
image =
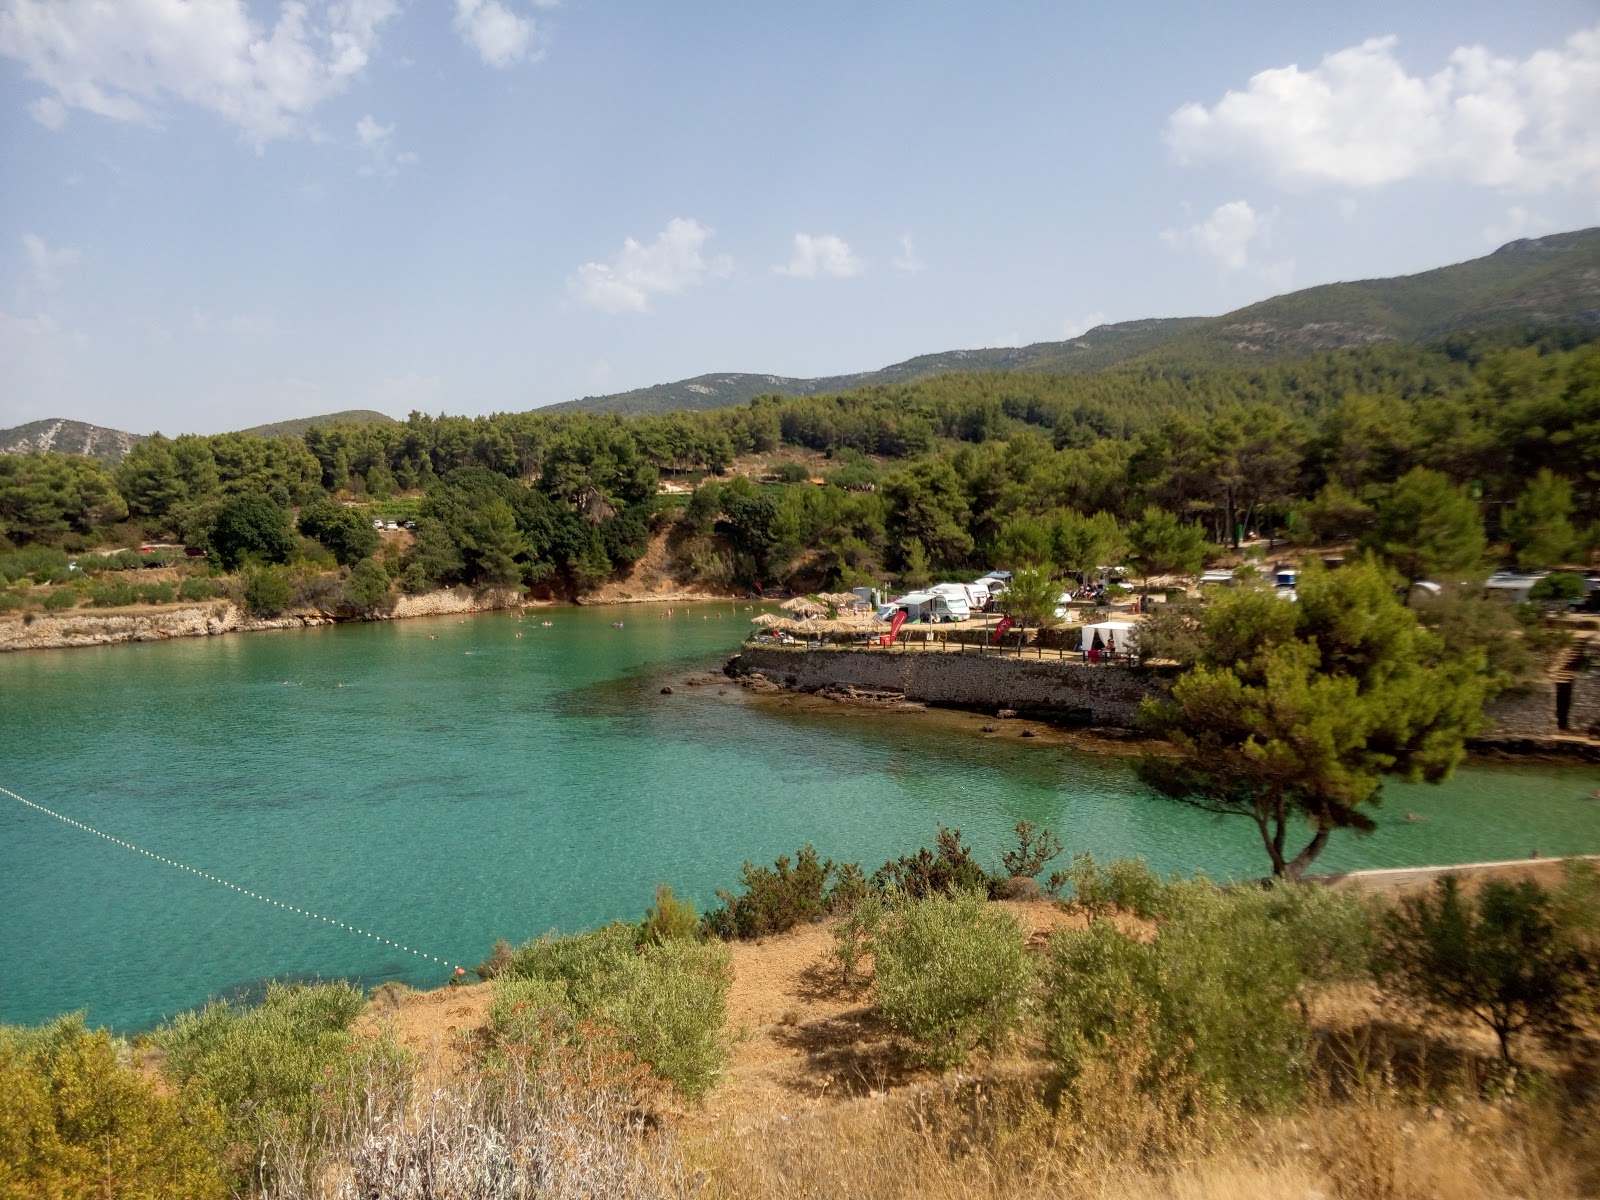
point(378, 141)
point(500, 36)
point(1360, 119)
point(672, 263)
point(907, 259)
point(820, 255)
point(128, 60)
point(1230, 237)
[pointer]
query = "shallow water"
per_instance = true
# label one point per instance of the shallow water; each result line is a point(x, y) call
point(447, 783)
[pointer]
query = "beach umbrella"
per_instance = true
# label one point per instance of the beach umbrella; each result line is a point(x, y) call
point(765, 619)
point(801, 604)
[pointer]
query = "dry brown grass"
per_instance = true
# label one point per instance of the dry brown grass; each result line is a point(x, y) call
point(950, 1144)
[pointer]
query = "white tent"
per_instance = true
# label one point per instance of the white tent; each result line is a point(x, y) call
point(1123, 635)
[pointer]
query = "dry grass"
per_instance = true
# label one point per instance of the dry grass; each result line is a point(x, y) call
point(950, 1144)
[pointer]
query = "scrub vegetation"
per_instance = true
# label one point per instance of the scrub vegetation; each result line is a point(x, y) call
point(1170, 1037)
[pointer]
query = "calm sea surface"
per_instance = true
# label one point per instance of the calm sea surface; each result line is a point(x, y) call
point(447, 783)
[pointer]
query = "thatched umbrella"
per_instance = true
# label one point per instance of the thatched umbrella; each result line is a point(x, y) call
point(765, 619)
point(802, 605)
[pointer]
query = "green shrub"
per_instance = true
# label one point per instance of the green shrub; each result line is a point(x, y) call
point(368, 585)
point(949, 869)
point(273, 1067)
point(855, 934)
point(1034, 850)
point(779, 897)
point(77, 1120)
point(10, 602)
point(951, 974)
point(112, 595)
point(1215, 990)
point(1125, 885)
point(156, 593)
point(1506, 958)
point(60, 599)
point(666, 1002)
point(198, 589)
point(524, 1013)
point(267, 591)
point(669, 918)
point(44, 563)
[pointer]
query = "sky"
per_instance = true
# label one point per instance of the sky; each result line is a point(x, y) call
point(218, 213)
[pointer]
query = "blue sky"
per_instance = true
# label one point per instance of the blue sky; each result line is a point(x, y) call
point(215, 213)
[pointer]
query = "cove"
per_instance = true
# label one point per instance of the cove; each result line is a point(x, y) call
point(447, 782)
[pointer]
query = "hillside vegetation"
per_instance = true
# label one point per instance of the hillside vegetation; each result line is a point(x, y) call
point(1535, 281)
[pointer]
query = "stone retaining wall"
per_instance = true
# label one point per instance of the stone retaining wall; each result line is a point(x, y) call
point(1107, 696)
point(1526, 711)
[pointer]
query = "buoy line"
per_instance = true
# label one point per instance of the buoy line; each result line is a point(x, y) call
point(265, 899)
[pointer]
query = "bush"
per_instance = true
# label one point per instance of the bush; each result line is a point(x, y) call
point(666, 1002)
point(669, 919)
point(854, 936)
point(1507, 958)
point(1215, 990)
point(112, 595)
point(951, 974)
point(528, 1014)
point(45, 564)
point(273, 1067)
point(778, 898)
point(948, 870)
point(368, 585)
point(1125, 885)
point(267, 591)
point(156, 593)
point(198, 589)
point(60, 600)
point(10, 602)
point(76, 1120)
point(1033, 852)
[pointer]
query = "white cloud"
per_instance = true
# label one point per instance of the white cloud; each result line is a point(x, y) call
point(45, 264)
point(1074, 327)
point(1359, 119)
point(1229, 237)
point(671, 264)
point(819, 255)
point(378, 141)
point(127, 60)
point(907, 259)
point(500, 36)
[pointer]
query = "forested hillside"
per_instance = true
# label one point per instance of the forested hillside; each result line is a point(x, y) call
point(1390, 443)
point(1534, 282)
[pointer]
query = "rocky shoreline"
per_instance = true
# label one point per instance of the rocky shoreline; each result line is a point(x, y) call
point(70, 630)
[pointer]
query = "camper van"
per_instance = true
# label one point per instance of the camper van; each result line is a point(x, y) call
point(929, 607)
point(975, 596)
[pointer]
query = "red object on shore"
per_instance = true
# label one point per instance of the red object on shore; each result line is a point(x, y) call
point(1005, 624)
point(898, 620)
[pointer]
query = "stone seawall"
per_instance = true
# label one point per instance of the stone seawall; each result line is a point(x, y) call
point(1105, 696)
point(90, 627)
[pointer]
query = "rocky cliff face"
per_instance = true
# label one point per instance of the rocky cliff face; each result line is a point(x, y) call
point(59, 631)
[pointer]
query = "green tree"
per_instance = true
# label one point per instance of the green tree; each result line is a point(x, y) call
point(1164, 545)
point(344, 531)
point(1539, 524)
point(149, 481)
point(1503, 959)
point(250, 526)
point(1023, 542)
point(1083, 545)
point(1428, 527)
point(368, 585)
point(492, 543)
point(1032, 597)
point(1295, 713)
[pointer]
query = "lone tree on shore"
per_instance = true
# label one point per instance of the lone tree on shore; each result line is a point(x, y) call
point(1295, 712)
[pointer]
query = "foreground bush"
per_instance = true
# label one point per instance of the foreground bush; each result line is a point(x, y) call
point(949, 869)
point(666, 1001)
point(951, 974)
point(1215, 994)
point(277, 1065)
point(777, 898)
point(1511, 957)
point(76, 1119)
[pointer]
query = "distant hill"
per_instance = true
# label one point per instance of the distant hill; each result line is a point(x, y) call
point(1535, 281)
point(352, 416)
point(69, 437)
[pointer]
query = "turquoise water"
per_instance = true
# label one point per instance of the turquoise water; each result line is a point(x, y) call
point(447, 783)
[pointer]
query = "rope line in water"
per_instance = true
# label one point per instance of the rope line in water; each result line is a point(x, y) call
point(172, 862)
